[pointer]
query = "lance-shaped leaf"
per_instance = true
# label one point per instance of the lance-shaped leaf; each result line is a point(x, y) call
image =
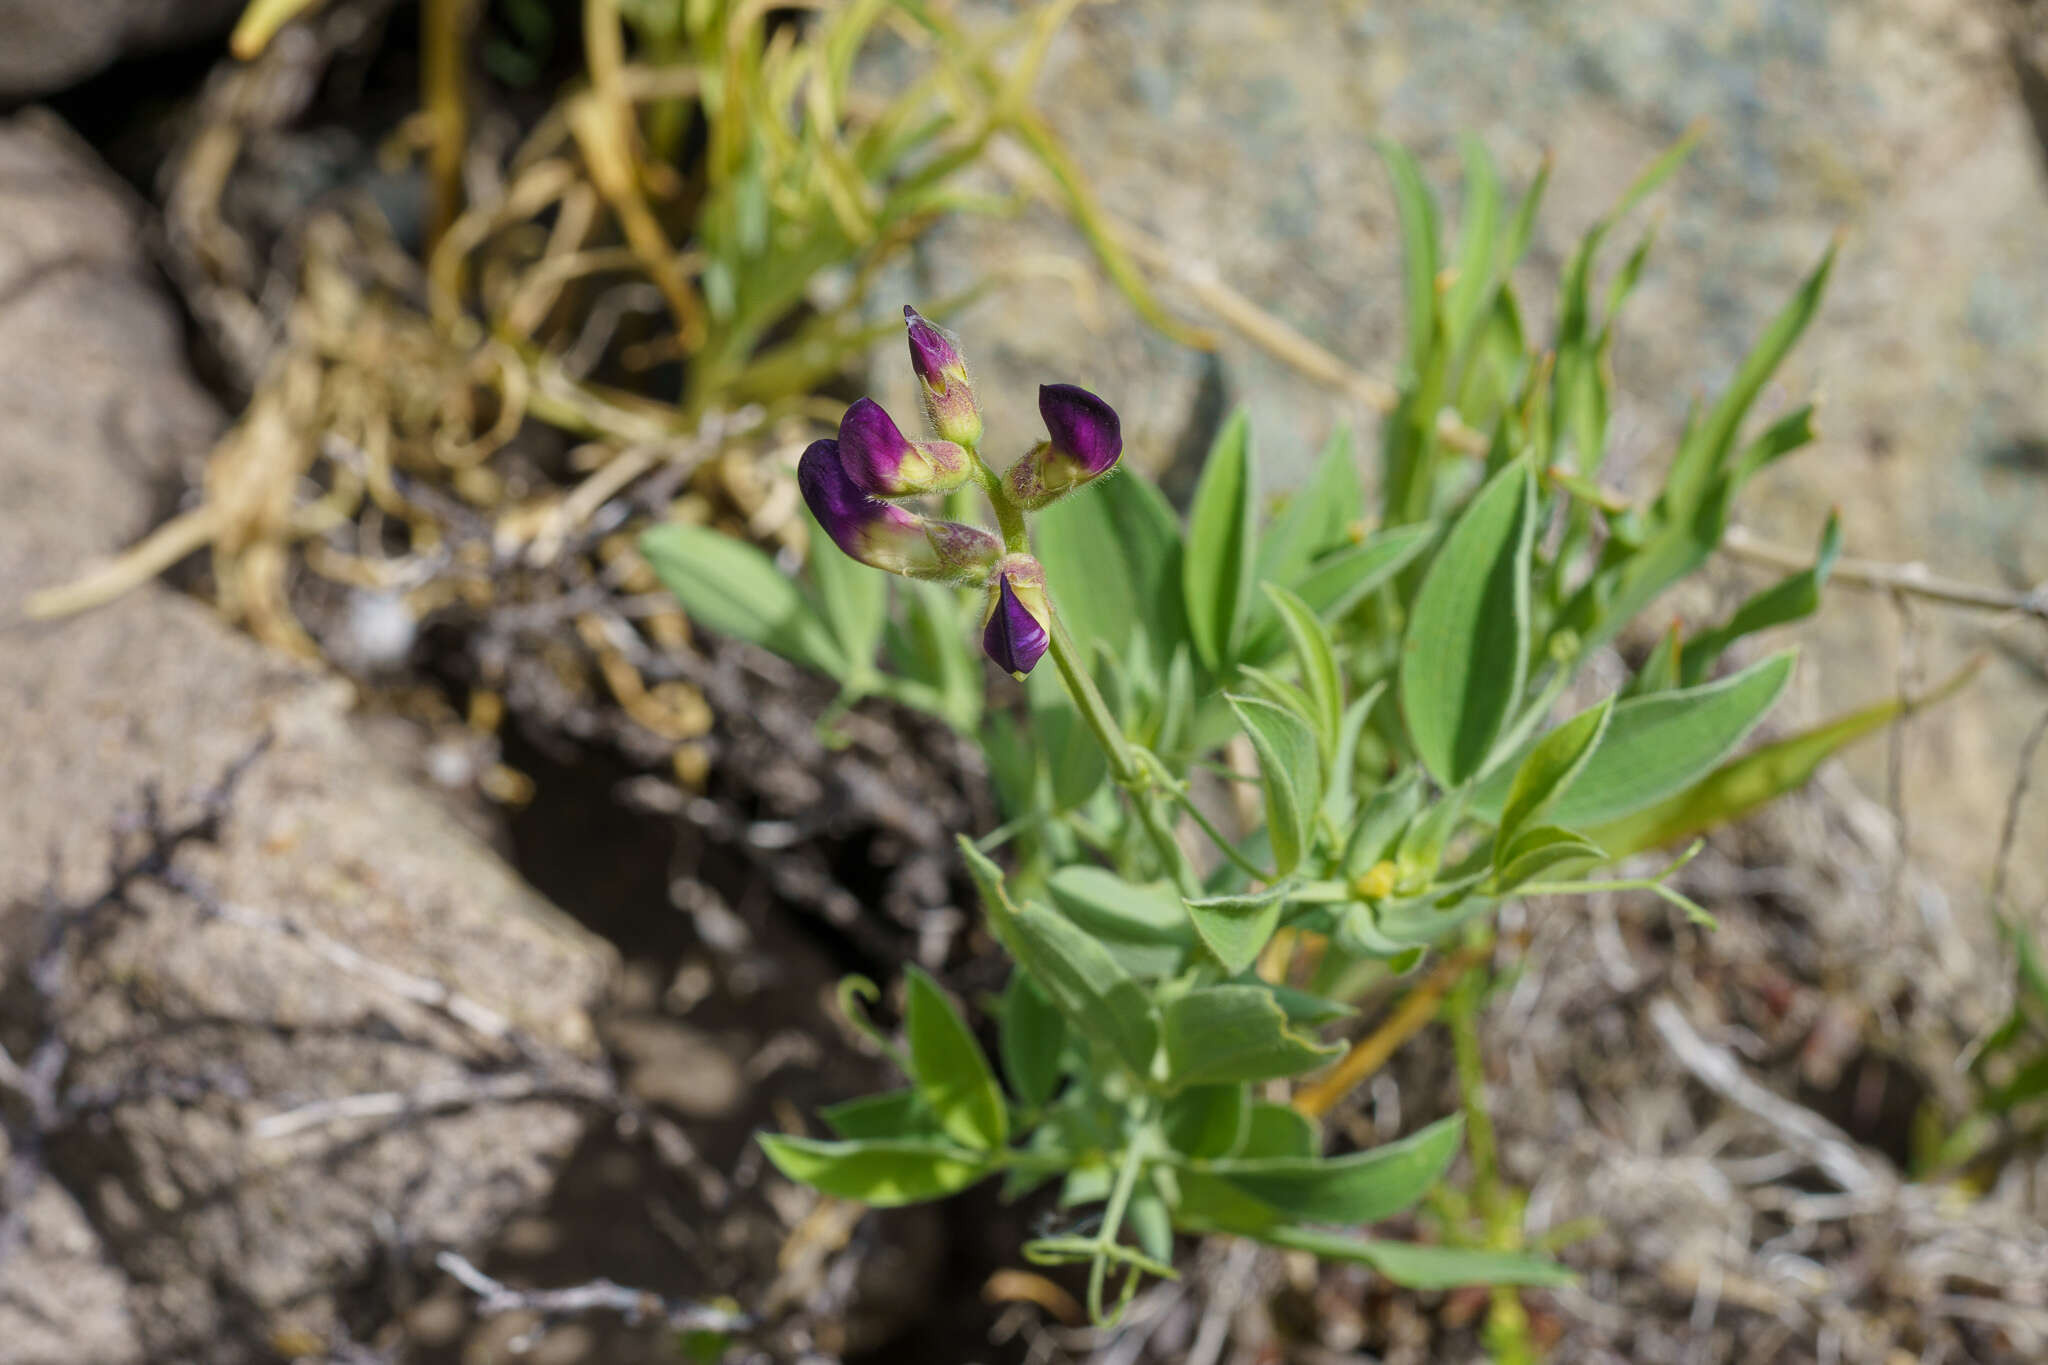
point(1539, 852)
point(1339, 580)
point(1218, 1034)
point(950, 1071)
point(1754, 780)
point(1657, 745)
point(1362, 1187)
point(1466, 653)
point(855, 599)
point(1032, 1035)
point(1085, 982)
point(890, 1114)
point(1549, 771)
point(1319, 516)
point(882, 1172)
point(732, 588)
point(1320, 680)
point(1290, 775)
point(1222, 540)
point(1237, 928)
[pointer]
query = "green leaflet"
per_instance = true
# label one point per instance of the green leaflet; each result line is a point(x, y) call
point(950, 1071)
point(1207, 1120)
point(884, 1172)
point(1237, 928)
point(732, 588)
point(1080, 976)
point(1320, 680)
point(1466, 653)
point(1290, 775)
point(1279, 1130)
point(1234, 1033)
point(854, 600)
point(1790, 599)
point(1032, 1035)
point(1317, 520)
point(1362, 1187)
point(1549, 771)
point(1657, 744)
point(1217, 572)
point(1113, 561)
point(887, 1114)
point(1737, 788)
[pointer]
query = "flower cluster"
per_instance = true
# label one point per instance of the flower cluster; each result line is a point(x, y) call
point(852, 485)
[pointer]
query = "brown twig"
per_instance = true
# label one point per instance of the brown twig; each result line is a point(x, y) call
point(1914, 580)
point(598, 1296)
point(1371, 1052)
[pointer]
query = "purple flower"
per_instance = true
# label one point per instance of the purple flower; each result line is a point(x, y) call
point(882, 462)
point(942, 374)
point(1087, 440)
point(883, 535)
point(1019, 624)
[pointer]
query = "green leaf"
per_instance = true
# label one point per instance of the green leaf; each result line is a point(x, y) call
point(1657, 745)
point(1417, 212)
point(1234, 1033)
point(1467, 649)
point(1237, 928)
point(1752, 781)
point(949, 1069)
point(1318, 518)
point(733, 589)
point(1549, 770)
point(1362, 1187)
point(1300, 1007)
point(1108, 906)
point(1085, 982)
point(1478, 239)
point(1382, 822)
point(1319, 676)
point(855, 599)
point(1290, 775)
point(1280, 1130)
point(1207, 1120)
point(1032, 1035)
point(1073, 762)
point(1541, 850)
point(1790, 599)
point(883, 1173)
point(889, 1114)
point(1338, 581)
point(1151, 1223)
point(1222, 540)
point(1704, 454)
point(930, 649)
point(1414, 1265)
point(1113, 560)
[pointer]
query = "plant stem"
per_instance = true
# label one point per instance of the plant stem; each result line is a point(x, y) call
point(1122, 765)
point(1113, 1215)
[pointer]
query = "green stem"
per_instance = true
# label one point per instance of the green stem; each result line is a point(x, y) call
point(1123, 765)
point(1113, 1217)
point(1009, 516)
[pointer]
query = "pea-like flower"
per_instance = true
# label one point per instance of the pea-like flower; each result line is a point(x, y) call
point(942, 374)
point(1018, 626)
point(884, 535)
point(1087, 440)
point(886, 464)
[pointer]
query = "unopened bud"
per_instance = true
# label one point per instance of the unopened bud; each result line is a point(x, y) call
point(1087, 440)
point(886, 536)
point(942, 375)
point(884, 463)
point(1018, 627)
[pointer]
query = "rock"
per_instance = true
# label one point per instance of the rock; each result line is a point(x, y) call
point(52, 46)
point(1241, 136)
point(224, 991)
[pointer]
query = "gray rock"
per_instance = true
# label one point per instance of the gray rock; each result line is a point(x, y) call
point(1241, 136)
point(189, 1014)
point(52, 44)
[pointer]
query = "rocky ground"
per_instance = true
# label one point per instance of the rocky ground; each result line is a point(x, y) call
point(316, 1012)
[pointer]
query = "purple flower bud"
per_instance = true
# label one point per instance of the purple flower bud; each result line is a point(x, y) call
point(1018, 627)
point(942, 374)
point(882, 462)
point(1087, 440)
point(886, 536)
